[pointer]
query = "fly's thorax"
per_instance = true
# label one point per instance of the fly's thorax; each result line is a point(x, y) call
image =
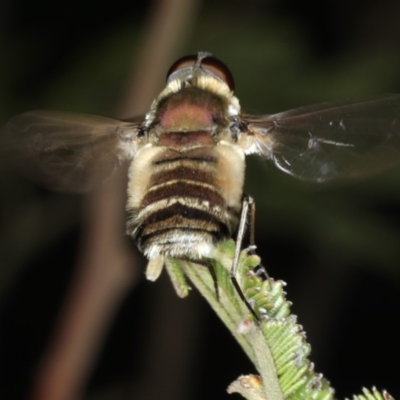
point(184, 200)
point(203, 104)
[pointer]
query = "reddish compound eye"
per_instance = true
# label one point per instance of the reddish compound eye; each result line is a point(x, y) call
point(183, 62)
point(220, 69)
point(210, 63)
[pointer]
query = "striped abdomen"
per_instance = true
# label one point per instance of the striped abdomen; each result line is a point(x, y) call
point(183, 201)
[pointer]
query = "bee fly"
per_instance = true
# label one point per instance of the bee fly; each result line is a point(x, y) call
point(187, 154)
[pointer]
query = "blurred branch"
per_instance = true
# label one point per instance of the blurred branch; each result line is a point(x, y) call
point(164, 35)
point(106, 269)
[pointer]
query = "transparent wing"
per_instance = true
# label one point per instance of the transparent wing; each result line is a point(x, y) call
point(68, 152)
point(339, 140)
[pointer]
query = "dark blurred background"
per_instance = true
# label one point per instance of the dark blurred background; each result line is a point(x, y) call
point(337, 248)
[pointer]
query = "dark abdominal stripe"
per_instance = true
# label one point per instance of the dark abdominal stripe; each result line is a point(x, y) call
point(181, 157)
point(180, 211)
point(179, 217)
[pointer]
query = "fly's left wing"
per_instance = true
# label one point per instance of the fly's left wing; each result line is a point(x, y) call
point(330, 141)
point(69, 152)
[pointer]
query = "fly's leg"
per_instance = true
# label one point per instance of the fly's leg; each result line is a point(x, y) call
point(206, 263)
point(247, 217)
point(213, 274)
point(214, 278)
point(246, 227)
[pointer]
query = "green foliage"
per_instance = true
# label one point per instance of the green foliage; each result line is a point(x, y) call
point(274, 341)
point(373, 395)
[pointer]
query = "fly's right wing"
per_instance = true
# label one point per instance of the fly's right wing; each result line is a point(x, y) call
point(331, 141)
